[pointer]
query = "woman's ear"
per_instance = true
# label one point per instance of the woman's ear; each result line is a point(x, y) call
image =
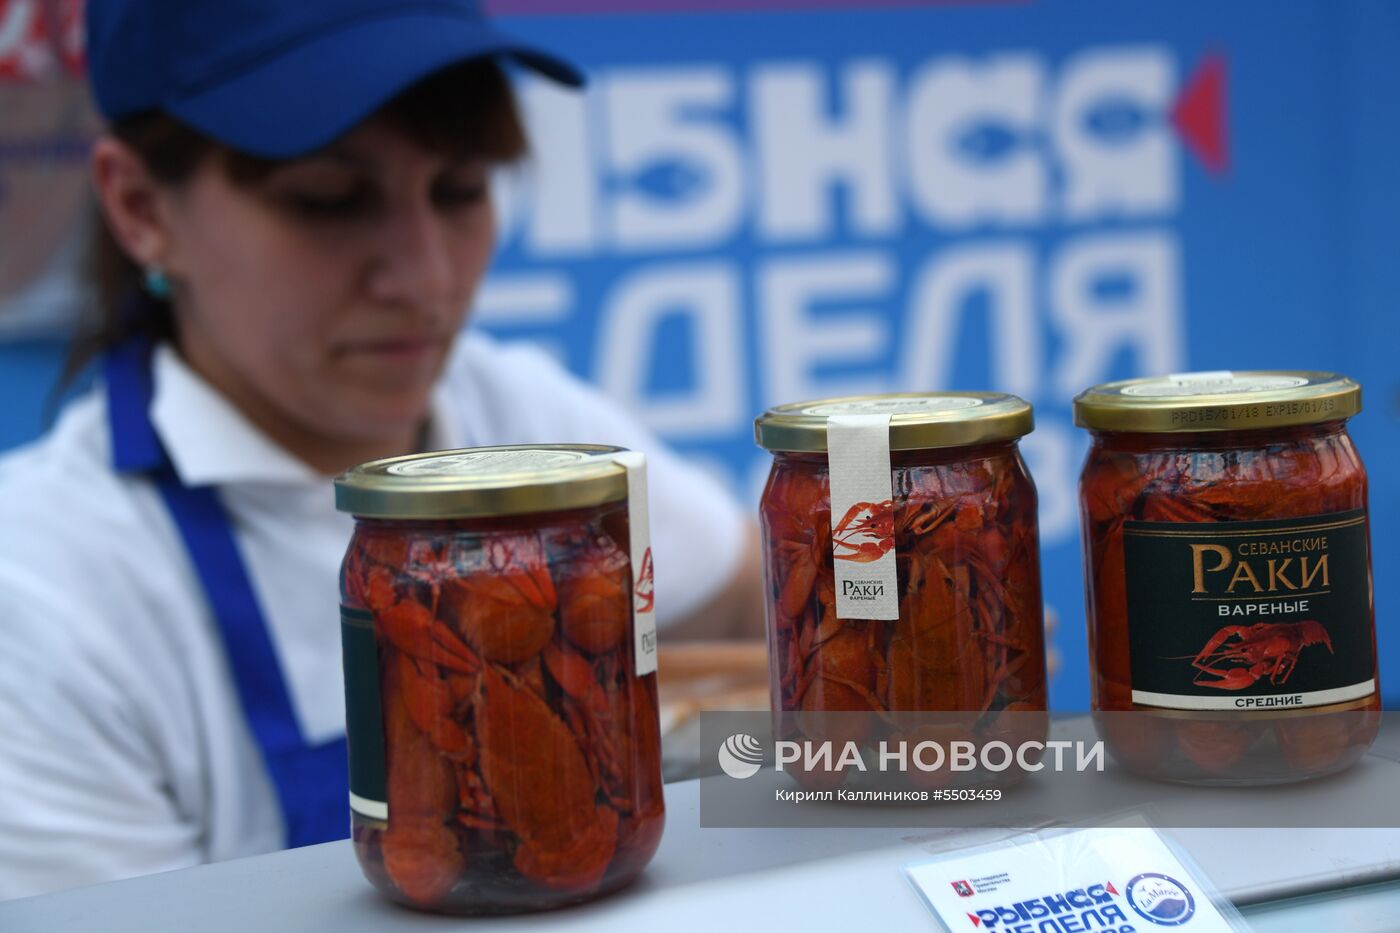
point(131, 201)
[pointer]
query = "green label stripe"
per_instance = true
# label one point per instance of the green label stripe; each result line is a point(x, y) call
point(364, 714)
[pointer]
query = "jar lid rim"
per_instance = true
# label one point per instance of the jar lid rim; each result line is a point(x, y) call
point(1219, 400)
point(918, 420)
point(483, 482)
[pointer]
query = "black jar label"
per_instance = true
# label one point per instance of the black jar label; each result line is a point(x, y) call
point(1250, 615)
point(364, 715)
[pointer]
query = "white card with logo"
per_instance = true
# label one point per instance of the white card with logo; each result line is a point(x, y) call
point(639, 534)
point(1115, 880)
point(862, 516)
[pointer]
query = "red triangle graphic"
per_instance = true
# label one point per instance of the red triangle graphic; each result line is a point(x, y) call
point(1112, 890)
point(1199, 114)
point(976, 920)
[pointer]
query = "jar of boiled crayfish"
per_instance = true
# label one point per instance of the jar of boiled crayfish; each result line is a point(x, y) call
point(500, 657)
point(1231, 625)
point(903, 573)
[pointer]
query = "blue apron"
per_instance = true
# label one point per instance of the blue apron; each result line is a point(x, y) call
point(312, 781)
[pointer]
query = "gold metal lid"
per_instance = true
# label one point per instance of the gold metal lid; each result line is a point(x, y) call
point(480, 482)
point(918, 420)
point(1217, 401)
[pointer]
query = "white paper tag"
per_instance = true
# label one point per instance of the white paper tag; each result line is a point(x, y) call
point(643, 576)
point(862, 516)
point(1115, 878)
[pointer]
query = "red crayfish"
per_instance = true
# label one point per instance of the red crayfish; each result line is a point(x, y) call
point(1238, 655)
point(1218, 476)
point(872, 521)
point(969, 638)
point(523, 753)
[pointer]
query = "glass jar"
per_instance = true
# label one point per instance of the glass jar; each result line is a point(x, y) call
point(500, 688)
point(1231, 625)
point(960, 630)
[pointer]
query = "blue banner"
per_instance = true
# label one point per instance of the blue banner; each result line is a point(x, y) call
point(813, 199)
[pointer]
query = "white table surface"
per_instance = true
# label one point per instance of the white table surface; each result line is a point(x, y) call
point(728, 879)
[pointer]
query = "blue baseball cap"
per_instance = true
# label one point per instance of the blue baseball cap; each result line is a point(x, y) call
point(282, 78)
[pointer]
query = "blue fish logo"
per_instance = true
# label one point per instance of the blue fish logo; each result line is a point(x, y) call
point(987, 142)
point(1116, 120)
point(673, 181)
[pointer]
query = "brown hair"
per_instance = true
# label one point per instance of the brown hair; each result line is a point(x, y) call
point(465, 109)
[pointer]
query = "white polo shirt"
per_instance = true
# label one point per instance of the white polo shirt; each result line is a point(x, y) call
point(123, 748)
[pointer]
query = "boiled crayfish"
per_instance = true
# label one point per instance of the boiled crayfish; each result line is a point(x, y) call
point(1237, 656)
point(523, 752)
point(969, 638)
point(1222, 476)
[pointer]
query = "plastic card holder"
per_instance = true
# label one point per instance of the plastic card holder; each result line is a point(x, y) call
point(1123, 878)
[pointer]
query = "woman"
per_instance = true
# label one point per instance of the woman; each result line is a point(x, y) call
point(297, 214)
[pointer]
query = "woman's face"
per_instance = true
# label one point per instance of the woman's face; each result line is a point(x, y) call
point(326, 296)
